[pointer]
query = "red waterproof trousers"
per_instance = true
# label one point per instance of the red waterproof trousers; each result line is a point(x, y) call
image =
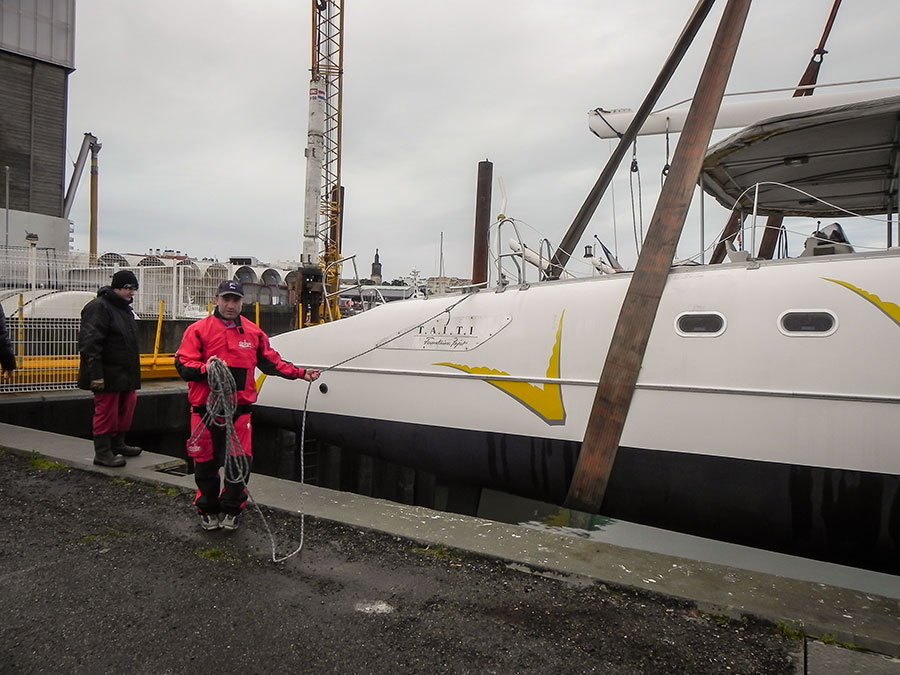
point(113, 412)
point(209, 455)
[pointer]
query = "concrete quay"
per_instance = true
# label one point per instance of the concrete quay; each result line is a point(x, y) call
point(834, 618)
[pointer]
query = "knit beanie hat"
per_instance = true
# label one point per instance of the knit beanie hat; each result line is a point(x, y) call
point(124, 277)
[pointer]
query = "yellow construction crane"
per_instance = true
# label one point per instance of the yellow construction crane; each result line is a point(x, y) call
point(320, 259)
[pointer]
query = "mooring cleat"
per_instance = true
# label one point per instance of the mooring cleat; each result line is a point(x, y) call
point(209, 521)
point(230, 522)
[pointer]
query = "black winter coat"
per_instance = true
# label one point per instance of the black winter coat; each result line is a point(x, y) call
point(7, 357)
point(108, 344)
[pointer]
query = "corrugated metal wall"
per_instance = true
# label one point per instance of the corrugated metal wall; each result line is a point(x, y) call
point(33, 98)
point(39, 29)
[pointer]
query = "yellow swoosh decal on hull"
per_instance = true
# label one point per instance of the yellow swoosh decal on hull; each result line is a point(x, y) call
point(889, 308)
point(545, 401)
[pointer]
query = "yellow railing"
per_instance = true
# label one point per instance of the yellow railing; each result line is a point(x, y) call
point(158, 366)
point(59, 369)
point(49, 371)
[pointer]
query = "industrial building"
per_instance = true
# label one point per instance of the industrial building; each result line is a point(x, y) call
point(37, 47)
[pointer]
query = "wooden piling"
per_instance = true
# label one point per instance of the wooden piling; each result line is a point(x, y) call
point(482, 222)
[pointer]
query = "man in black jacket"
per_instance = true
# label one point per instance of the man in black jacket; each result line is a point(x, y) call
point(7, 357)
point(111, 366)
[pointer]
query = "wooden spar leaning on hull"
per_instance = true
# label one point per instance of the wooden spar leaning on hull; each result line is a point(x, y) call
point(626, 353)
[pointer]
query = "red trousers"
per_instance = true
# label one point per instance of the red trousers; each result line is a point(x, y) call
point(208, 453)
point(113, 412)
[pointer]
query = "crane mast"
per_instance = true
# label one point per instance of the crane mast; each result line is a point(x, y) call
point(323, 206)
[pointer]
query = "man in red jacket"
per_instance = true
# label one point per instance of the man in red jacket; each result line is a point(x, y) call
point(242, 346)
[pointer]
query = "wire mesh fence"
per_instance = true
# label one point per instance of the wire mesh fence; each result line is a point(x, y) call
point(42, 292)
point(46, 352)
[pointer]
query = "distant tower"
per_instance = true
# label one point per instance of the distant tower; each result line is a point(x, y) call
point(376, 270)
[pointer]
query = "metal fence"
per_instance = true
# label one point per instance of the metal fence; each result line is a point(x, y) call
point(42, 293)
point(46, 353)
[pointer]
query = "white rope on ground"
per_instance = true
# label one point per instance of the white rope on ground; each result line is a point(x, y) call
point(220, 407)
point(222, 402)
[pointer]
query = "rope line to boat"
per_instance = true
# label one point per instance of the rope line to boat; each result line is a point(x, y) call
point(222, 403)
point(445, 310)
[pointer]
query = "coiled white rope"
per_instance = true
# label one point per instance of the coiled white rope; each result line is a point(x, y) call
point(220, 407)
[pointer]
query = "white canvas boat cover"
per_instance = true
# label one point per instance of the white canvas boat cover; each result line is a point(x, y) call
point(845, 155)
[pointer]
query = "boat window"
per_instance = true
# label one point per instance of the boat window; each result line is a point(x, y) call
point(817, 323)
point(693, 324)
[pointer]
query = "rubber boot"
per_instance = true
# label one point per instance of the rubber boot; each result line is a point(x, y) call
point(119, 446)
point(103, 454)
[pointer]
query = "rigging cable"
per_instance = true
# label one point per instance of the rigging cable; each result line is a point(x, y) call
point(612, 190)
point(667, 166)
point(636, 221)
point(599, 113)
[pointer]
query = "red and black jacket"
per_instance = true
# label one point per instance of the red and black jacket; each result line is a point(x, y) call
point(241, 344)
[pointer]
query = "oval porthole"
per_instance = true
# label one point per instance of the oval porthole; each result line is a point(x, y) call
point(697, 324)
point(818, 323)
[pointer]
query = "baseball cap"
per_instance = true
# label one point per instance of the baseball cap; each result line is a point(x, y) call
point(231, 288)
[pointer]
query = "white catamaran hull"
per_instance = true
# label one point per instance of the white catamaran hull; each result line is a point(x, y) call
point(752, 405)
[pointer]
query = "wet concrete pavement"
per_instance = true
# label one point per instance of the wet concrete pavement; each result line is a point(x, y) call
point(837, 616)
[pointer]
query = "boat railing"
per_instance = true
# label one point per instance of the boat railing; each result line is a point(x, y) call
point(747, 202)
point(340, 290)
point(520, 268)
point(331, 265)
point(467, 288)
point(370, 297)
point(544, 269)
point(523, 252)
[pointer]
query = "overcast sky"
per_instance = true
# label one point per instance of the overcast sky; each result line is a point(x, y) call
point(201, 108)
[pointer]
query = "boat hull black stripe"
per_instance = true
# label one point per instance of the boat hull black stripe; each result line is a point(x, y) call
point(846, 517)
